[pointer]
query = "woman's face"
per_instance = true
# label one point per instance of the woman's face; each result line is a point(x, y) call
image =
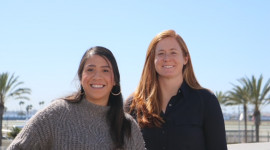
point(97, 80)
point(169, 59)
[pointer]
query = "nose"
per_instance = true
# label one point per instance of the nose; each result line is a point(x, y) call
point(166, 57)
point(97, 75)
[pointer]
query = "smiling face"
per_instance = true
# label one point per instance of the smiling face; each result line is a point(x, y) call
point(169, 59)
point(97, 80)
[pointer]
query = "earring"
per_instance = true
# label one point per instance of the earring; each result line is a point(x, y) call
point(116, 94)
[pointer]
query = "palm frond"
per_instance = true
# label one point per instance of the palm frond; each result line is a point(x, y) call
point(10, 87)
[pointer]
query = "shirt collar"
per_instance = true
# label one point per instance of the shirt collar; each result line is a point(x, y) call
point(184, 89)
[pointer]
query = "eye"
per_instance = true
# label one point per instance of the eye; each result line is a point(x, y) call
point(106, 70)
point(161, 53)
point(90, 69)
point(174, 52)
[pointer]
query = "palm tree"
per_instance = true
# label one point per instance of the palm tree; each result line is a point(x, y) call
point(9, 87)
point(28, 108)
point(222, 98)
point(21, 103)
point(20, 113)
point(258, 98)
point(41, 103)
point(239, 96)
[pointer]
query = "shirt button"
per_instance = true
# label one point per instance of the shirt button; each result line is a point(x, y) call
point(163, 132)
point(170, 105)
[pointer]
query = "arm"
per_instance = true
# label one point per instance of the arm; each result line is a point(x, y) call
point(36, 134)
point(214, 128)
point(135, 141)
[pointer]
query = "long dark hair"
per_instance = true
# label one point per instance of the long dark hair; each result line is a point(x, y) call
point(120, 126)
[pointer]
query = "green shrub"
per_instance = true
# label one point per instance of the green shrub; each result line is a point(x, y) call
point(14, 132)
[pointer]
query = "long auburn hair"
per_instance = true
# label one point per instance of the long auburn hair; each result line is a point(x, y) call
point(146, 100)
point(120, 126)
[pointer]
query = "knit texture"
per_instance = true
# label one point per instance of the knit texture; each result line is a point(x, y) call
point(72, 126)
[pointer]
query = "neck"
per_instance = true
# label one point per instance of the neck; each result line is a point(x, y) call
point(100, 102)
point(168, 88)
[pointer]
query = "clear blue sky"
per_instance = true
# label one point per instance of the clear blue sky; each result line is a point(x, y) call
point(42, 42)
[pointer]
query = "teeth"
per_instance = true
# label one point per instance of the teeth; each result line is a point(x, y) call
point(97, 85)
point(167, 66)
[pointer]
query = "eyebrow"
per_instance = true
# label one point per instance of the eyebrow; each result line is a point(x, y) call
point(172, 49)
point(95, 66)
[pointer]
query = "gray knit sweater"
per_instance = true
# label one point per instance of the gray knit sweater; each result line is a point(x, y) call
point(72, 126)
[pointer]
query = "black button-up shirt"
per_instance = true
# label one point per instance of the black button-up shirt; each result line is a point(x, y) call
point(193, 121)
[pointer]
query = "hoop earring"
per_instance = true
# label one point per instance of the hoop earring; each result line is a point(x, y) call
point(116, 94)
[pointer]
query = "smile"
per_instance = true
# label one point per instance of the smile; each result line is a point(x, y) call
point(97, 85)
point(167, 66)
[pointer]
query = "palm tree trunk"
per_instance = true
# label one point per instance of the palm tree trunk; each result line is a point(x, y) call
point(1, 119)
point(257, 117)
point(245, 119)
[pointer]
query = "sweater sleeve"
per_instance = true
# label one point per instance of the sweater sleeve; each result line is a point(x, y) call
point(214, 128)
point(135, 142)
point(37, 133)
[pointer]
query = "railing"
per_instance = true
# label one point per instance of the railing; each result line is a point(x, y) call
point(238, 136)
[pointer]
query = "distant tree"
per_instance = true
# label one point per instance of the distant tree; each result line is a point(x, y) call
point(258, 95)
point(10, 87)
point(28, 109)
point(239, 95)
point(41, 103)
point(21, 103)
point(222, 98)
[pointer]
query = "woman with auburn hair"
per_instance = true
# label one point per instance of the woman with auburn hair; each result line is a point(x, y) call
point(90, 119)
point(170, 106)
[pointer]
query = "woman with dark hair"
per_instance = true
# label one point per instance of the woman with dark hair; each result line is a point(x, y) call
point(172, 109)
point(92, 118)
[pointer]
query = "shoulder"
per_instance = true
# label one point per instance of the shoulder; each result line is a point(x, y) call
point(136, 140)
point(131, 120)
point(47, 118)
point(127, 103)
point(196, 94)
point(128, 116)
point(53, 110)
point(209, 100)
point(206, 93)
point(204, 96)
point(135, 129)
point(56, 105)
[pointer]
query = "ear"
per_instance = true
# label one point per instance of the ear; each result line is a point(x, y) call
point(186, 60)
